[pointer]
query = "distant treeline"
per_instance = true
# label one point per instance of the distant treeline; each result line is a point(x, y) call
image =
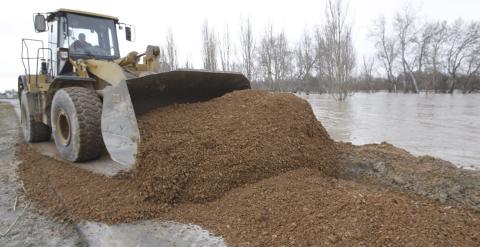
point(411, 55)
point(437, 56)
point(464, 85)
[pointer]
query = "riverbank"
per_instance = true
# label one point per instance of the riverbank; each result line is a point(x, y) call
point(390, 167)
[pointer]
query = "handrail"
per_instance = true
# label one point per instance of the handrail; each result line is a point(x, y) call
point(26, 56)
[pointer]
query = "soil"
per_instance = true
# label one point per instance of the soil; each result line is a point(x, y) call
point(189, 153)
point(303, 208)
point(259, 170)
point(388, 166)
point(197, 152)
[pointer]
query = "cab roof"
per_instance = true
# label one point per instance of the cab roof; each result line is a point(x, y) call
point(80, 12)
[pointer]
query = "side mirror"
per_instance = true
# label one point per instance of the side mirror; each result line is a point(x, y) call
point(128, 33)
point(40, 23)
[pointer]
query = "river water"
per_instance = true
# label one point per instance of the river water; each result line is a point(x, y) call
point(443, 126)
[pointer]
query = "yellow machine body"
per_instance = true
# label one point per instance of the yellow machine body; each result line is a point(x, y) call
point(128, 87)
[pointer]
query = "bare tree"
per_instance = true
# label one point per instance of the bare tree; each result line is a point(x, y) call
point(282, 62)
point(247, 47)
point(404, 25)
point(225, 51)
point(164, 66)
point(426, 34)
point(209, 48)
point(472, 70)
point(320, 65)
point(367, 68)
point(266, 54)
point(435, 48)
point(188, 62)
point(305, 58)
point(462, 39)
point(171, 51)
point(386, 47)
point(338, 52)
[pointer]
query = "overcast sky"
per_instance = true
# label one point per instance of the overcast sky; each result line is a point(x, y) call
point(153, 18)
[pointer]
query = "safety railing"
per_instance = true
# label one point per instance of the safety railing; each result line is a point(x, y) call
point(44, 57)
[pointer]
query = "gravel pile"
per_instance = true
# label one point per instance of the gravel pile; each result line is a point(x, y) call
point(189, 153)
point(258, 169)
point(197, 152)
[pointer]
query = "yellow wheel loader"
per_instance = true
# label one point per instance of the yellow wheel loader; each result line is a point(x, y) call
point(79, 89)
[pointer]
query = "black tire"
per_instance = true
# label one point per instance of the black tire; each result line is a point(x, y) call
point(76, 117)
point(33, 131)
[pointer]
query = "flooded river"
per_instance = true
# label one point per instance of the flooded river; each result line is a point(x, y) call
point(444, 126)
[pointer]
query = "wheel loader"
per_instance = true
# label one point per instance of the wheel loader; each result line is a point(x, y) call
point(79, 89)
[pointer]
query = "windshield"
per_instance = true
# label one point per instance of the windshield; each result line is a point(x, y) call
point(91, 37)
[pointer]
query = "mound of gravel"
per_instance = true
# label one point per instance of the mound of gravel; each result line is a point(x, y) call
point(197, 152)
point(254, 168)
point(188, 153)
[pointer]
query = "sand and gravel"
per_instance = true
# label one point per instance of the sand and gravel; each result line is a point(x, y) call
point(258, 169)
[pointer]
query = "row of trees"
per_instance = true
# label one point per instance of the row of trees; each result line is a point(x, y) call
point(435, 56)
point(323, 60)
point(410, 56)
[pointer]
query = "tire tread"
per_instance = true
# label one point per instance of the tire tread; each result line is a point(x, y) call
point(88, 108)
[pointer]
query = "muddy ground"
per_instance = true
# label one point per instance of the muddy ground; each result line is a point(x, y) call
point(380, 196)
point(390, 167)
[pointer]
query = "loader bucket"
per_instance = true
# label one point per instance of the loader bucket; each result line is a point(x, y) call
point(126, 101)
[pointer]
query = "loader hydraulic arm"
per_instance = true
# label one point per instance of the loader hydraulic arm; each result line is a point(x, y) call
point(150, 63)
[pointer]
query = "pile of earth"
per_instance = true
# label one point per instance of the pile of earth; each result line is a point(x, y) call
point(191, 153)
point(299, 208)
point(197, 152)
point(257, 169)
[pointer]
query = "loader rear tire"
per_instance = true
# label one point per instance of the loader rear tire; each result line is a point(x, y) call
point(76, 117)
point(33, 131)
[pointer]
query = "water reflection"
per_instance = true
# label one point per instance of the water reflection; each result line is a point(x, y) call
point(444, 126)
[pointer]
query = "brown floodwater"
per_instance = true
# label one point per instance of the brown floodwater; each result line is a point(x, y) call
point(443, 126)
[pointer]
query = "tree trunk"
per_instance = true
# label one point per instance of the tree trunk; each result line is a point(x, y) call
point(452, 86)
point(414, 82)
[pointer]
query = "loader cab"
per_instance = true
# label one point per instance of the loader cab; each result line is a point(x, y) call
point(80, 35)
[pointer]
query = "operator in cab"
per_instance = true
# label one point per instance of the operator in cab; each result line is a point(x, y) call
point(80, 44)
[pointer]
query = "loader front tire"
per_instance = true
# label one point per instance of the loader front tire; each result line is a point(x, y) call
point(33, 131)
point(76, 117)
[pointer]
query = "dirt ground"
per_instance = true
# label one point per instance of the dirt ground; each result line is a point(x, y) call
point(380, 195)
point(298, 208)
point(20, 223)
point(303, 208)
